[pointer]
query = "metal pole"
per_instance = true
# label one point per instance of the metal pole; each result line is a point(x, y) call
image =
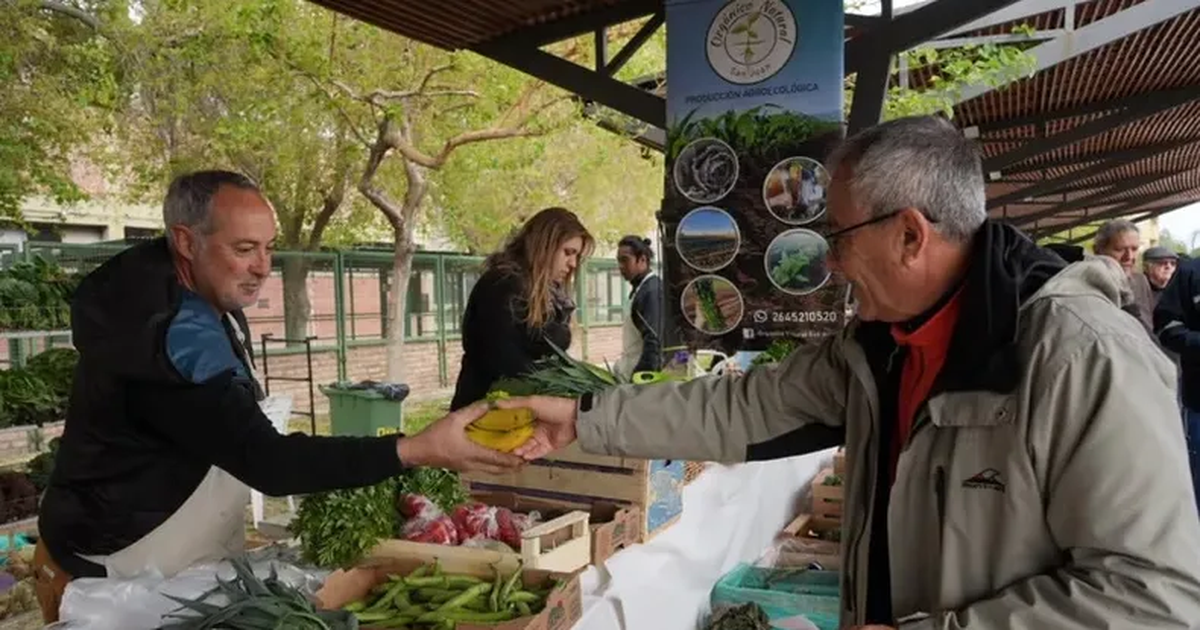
point(266, 367)
point(339, 312)
point(439, 296)
point(312, 397)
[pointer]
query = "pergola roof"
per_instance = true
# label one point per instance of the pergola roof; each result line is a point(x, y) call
point(1108, 126)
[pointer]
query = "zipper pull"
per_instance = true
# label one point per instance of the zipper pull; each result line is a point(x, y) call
point(892, 359)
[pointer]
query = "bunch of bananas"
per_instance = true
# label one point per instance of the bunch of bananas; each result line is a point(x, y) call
point(501, 429)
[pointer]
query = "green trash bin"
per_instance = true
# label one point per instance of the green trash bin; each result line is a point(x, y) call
point(363, 411)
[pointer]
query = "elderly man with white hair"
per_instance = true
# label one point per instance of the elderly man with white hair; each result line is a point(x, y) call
point(1014, 458)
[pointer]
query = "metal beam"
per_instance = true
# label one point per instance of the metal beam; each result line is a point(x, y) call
point(1119, 211)
point(1012, 13)
point(634, 44)
point(1108, 163)
point(870, 90)
point(590, 85)
point(911, 28)
point(1155, 212)
point(1095, 35)
point(1124, 156)
point(1092, 199)
point(1075, 111)
point(980, 40)
point(1133, 112)
point(557, 30)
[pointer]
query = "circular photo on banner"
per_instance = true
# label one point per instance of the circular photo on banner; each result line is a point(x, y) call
point(706, 170)
point(795, 261)
point(712, 304)
point(794, 190)
point(708, 238)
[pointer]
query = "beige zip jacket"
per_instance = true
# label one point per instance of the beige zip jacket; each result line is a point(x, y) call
point(1062, 503)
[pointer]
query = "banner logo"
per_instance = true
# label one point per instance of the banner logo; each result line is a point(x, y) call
point(750, 41)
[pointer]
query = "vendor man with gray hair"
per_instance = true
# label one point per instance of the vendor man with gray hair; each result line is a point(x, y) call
point(1014, 458)
point(164, 436)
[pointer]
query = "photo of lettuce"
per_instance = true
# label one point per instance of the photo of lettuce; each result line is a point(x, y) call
point(795, 261)
point(706, 170)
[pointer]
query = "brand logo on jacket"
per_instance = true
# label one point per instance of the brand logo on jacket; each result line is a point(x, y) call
point(986, 480)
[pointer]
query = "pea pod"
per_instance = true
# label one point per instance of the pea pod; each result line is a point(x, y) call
point(494, 599)
point(524, 597)
point(510, 584)
point(523, 609)
point(458, 601)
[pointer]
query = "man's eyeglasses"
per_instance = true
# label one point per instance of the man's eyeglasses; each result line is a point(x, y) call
point(833, 237)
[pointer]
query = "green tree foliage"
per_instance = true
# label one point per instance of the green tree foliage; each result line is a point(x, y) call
point(60, 83)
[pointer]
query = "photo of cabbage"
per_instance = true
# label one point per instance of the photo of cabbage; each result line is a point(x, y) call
point(706, 170)
point(712, 305)
point(795, 261)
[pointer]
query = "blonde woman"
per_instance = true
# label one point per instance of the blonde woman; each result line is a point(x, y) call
point(521, 303)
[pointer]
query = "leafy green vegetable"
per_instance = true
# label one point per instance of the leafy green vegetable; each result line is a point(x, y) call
point(443, 487)
point(38, 393)
point(749, 616)
point(714, 319)
point(36, 295)
point(792, 270)
point(776, 352)
point(253, 604)
point(338, 528)
point(40, 467)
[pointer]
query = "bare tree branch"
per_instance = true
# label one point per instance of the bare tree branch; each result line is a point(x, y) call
point(79, 14)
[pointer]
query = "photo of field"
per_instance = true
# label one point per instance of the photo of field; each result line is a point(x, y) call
point(708, 239)
point(795, 261)
point(712, 305)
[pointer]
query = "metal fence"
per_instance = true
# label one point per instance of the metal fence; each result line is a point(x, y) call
point(347, 295)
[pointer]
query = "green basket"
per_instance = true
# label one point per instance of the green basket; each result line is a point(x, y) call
point(783, 593)
point(354, 412)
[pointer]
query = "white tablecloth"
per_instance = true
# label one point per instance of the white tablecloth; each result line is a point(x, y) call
point(731, 514)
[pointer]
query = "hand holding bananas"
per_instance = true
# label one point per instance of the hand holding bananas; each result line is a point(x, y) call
point(444, 444)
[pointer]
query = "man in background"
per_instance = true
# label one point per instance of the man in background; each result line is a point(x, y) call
point(1177, 320)
point(1159, 264)
point(641, 334)
point(1120, 240)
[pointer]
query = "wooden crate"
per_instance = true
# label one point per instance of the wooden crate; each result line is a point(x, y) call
point(613, 526)
point(655, 487)
point(827, 499)
point(815, 540)
point(564, 603)
point(839, 461)
point(560, 544)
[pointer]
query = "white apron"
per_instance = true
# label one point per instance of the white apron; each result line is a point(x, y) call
point(631, 338)
point(209, 527)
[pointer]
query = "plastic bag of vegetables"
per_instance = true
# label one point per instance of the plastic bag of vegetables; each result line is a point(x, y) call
point(143, 603)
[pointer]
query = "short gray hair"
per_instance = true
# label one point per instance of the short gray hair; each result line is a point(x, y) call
point(189, 198)
point(1110, 231)
point(921, 162)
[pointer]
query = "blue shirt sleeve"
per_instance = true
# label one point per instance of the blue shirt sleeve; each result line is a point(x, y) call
point(197, 344)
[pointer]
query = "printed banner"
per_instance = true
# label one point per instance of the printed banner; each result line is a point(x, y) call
point(754, 104)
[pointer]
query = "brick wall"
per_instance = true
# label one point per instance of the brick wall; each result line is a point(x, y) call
point(420, 363)
point(16, 442)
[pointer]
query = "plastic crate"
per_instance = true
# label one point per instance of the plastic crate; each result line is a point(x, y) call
point(783, 594)
point(362, 412)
